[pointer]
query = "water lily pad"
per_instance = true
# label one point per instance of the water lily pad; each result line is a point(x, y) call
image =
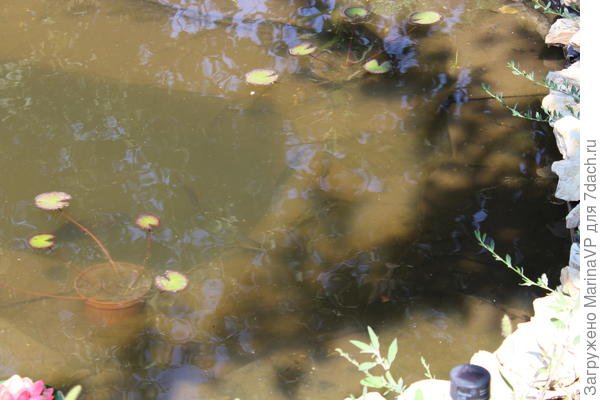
point(356, 13)
point(147, 221)
point(303, 49)
point(374, 67)
point(171, 281)
point(425, 18)
point(42, 241)
point(261, 77)
point(52, 200)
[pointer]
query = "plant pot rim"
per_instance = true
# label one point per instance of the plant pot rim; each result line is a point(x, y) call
point(111, 304)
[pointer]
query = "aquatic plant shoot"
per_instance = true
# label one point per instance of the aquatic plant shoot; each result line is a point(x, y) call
point(147, 222)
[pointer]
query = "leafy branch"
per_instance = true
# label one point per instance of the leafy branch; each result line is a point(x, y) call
point(571, 90)
point(542, 282)
point(513, 109)
point(383, 379)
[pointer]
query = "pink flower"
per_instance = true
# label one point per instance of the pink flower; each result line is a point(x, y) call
point(17, 388)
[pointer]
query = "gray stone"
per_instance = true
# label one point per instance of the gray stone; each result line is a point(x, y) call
point(572, 218)
point(499, 389)
point(568, 76)
point(567, 131)
point(570, 3)
point(562, 30)
point(568, 179)
point(430, 389)
point(576, 41)
point(531, 361)
point(569, 281)
point(559, 105)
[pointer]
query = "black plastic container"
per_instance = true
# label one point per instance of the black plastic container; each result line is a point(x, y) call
point(469, 382)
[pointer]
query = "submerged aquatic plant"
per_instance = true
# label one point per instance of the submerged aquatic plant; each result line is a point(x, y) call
point(58, 201)
point(91, 285)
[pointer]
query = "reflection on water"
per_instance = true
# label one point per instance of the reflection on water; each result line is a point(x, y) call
point(301, 211)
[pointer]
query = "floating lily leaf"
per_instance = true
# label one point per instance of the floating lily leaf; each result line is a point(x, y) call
point(261, 77)
point(42, 241)
point(147, 221)
point(374, 67)
point(303, 49)
point(52, 200)
point(171, 281)
point(425, 18)
point(356, 13)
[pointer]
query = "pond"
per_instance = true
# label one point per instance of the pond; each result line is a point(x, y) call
point(301, 211)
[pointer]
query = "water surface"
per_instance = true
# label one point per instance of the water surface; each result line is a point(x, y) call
point(302, 211)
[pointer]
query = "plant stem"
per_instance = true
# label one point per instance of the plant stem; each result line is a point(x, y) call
point(148, 247)
point(94, 238)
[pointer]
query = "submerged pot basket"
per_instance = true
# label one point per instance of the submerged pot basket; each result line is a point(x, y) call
point(112, 287)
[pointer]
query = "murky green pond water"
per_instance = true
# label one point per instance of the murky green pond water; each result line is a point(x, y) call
point(301, 211)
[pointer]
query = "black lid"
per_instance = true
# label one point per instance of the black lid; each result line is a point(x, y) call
point(469, 382)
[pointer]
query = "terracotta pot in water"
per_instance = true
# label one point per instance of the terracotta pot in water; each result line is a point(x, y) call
point(113, 287)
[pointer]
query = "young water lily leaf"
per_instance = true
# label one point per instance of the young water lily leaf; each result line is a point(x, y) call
point(52, 200)
point(303, 49)
point(261, 77)
point(147, 222)
point(356, 13)
point(374, 67)
point(171, 281)
point(425, 18)
point(42, 241)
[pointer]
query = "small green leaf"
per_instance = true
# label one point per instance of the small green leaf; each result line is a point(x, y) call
point(392, 351)
point(303, 49)
point(558, 323)
point(365, 348)
point(373, 337)
point(425, 18)
point(544, 279)
point(373, 67)
point(171, 281)
point(73, 393)
point(376, 382)
point(42, 241)
point(261, 77)
point(366, 366)
point(147, 222)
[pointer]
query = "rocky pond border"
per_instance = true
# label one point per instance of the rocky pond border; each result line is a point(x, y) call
point(538, 360)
